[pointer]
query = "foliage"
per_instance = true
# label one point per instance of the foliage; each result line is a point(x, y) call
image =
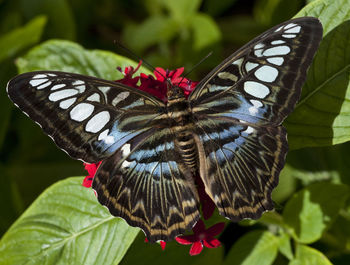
point(65, 224)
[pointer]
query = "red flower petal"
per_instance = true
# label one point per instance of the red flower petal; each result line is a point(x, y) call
point(196, 248)
point(216, 229)
point(87, 182)
point(186, 240)
point(199, 227)
point(175, 74)
point(212, 243)
point(160, 73)
point(162, 244)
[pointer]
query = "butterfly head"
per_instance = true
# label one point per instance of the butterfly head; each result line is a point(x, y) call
point(174, 92)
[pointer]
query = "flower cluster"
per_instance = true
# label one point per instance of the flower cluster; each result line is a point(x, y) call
point(157, 86)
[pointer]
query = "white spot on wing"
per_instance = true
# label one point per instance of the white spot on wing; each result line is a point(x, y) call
point(121, 96)
point(238, 61)
point(290, 25)
point(278, 50)
point(94, 97)
point(126, 150)
point(44, 85)
point(39, 76)
point(36, 82)
point(276, 42)
point(249, 130)
point(80, 85)
point(256, 89)
point(62, 94)
point(258, 53)
point(78, 82)
point(249, 66)
point(256, 103)
point(254, 109)
point(97, 122)
point(125, 163)
point(65, 104)
point(259, 46)
point(108, 139)
point(293, 30)
point(58, 86)
point(276, 60)
point(289, 36)
point(104, 89)
point(279, 29)
point(81, 111)
point(266, 73)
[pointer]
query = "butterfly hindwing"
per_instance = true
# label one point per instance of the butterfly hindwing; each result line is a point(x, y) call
point(238, 110)
point(87, 117)
point(146, 183)
point(240, 164)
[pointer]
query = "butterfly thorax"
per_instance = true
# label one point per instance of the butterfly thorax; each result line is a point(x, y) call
point(181, 123)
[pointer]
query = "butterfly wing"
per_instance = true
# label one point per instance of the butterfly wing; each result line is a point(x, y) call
point(87, 117)
point(239, 107)
point(146, 183)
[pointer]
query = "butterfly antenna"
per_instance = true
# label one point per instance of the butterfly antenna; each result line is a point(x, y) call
point(139, 58)
point(196, 65)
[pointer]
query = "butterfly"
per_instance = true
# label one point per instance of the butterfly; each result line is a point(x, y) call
point(228, 130)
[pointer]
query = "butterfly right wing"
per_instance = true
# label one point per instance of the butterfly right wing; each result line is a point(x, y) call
point(87, 117)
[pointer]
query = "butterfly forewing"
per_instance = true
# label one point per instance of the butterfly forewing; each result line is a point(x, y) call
point(89, 118)
point(261, 82)
point(239, 107)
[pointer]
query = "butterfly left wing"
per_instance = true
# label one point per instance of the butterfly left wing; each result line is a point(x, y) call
point(238, 110)
point(147, 184)
point(87, 117)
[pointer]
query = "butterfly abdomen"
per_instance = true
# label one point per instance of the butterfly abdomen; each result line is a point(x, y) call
point(180, 118)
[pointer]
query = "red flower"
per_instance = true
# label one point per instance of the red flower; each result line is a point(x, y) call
point(129, 71)
point(91, 169)
point(202, 237)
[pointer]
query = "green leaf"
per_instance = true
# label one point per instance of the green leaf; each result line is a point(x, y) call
point(181, 10)
point(286, 185)
point(153, 30)
point(320, 164)
point(21, 38)
point(330, 12)
point(70, 57)
point(309, 256)
point(285, 246)
point(311, 211)
point(205, 30)
point(321, 116)
point(60, 16)
point(256, 247)
point(66, 225)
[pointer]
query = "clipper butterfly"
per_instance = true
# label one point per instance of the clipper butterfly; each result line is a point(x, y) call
point(228, 131)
